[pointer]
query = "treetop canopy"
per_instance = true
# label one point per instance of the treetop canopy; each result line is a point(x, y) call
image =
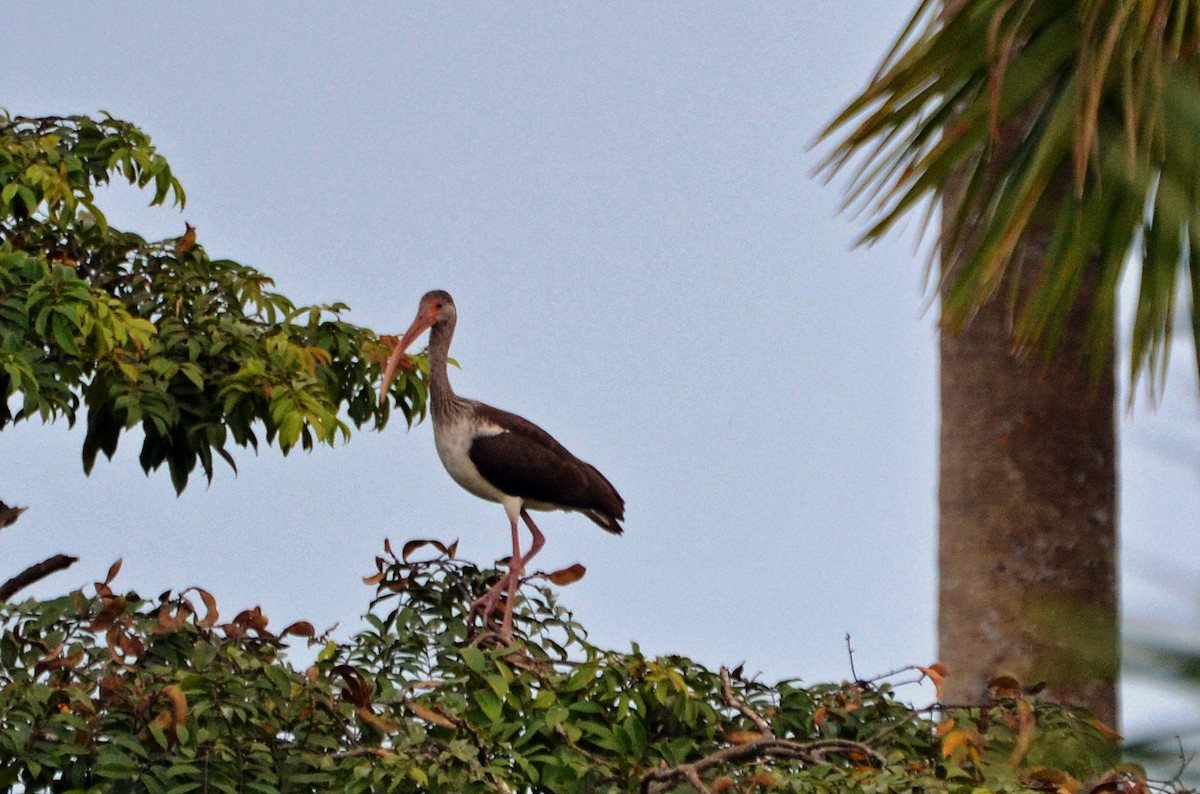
point(195, 351)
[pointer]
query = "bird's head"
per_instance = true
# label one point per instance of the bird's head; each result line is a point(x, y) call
point(437, 308)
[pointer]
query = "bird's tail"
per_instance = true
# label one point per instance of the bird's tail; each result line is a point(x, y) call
point(607, 522)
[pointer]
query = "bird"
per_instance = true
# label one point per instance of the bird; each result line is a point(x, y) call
point(499, 456)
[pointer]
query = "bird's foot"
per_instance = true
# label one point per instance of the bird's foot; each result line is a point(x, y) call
point(485, 606)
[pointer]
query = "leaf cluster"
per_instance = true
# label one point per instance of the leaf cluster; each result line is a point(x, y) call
point(115, 692)
point(198, 353)
point(1068, 122)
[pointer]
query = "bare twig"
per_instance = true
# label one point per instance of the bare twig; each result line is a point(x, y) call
point(850, 651)
point(35, 573)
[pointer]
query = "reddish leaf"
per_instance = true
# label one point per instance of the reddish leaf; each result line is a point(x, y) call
point(366, 715)
point(187, 240)
point(301, 628)
point(567, 575)
point(375, 578)
point(937, 674)
point(358, 690)
point(412, 546)
point(113, 607)
point(112, 571)
point(56, 662)
point(178, 703)
point(252, 619)
point(742, 737)
point(431, 715)
point(169, 622)
point(210, 605)
point(763, 779)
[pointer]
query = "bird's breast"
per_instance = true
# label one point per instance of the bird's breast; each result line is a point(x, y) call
point(453, 442)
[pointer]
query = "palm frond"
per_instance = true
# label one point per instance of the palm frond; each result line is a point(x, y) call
point(1075, 120)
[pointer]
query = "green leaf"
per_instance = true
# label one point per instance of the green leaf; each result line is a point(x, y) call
point(489, 704)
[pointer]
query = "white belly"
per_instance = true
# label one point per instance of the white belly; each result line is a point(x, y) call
point(453, 444)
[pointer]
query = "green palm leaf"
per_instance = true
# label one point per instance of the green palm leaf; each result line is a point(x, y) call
point(1104, 98)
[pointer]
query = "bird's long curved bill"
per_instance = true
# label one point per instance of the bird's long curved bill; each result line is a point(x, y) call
point(389, 370)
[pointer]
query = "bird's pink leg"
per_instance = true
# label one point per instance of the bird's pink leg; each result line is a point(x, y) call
point(539, 539)
point(486, 604)
point(516, 569)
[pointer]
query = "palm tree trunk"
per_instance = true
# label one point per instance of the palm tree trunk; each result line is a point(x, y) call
point(1027, 551)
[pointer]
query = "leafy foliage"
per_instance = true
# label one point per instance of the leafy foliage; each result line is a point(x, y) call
point(1102, 99)
point(115, 692)
point(194, 351)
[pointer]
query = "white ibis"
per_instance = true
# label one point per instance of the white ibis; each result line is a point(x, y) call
point(501, 457)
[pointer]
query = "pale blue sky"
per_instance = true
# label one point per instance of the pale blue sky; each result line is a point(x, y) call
point(620, 199)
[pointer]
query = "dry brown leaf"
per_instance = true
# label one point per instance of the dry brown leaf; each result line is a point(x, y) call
point(431, 715)
point(301, 628)
point(567, 575)
point(178, 702)
point(113, 570)
point(55, 661)
point(358, 689)
point(187, 240)
point(937, 674)
point(763, 778)
point(375, 578)
point(742, 737)
point(113, 607)
point(412, 546)
point(169, 622)
point(210, 605)
point(366, 715)
point(252, 619)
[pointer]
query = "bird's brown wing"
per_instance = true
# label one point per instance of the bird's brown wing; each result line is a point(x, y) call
point(526, 461)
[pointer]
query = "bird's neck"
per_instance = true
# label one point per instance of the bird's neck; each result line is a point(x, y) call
point(441, 395)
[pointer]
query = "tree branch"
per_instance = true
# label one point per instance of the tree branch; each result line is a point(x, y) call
point(9, 515)
point(35, 573)
point(745, 710)
point(766, 746)
point(812, 753)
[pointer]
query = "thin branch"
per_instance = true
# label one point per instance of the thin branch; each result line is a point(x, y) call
point(35, 573)
point(850, 651)
point(812, 753)
point(766, 746)
point(741, 706)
